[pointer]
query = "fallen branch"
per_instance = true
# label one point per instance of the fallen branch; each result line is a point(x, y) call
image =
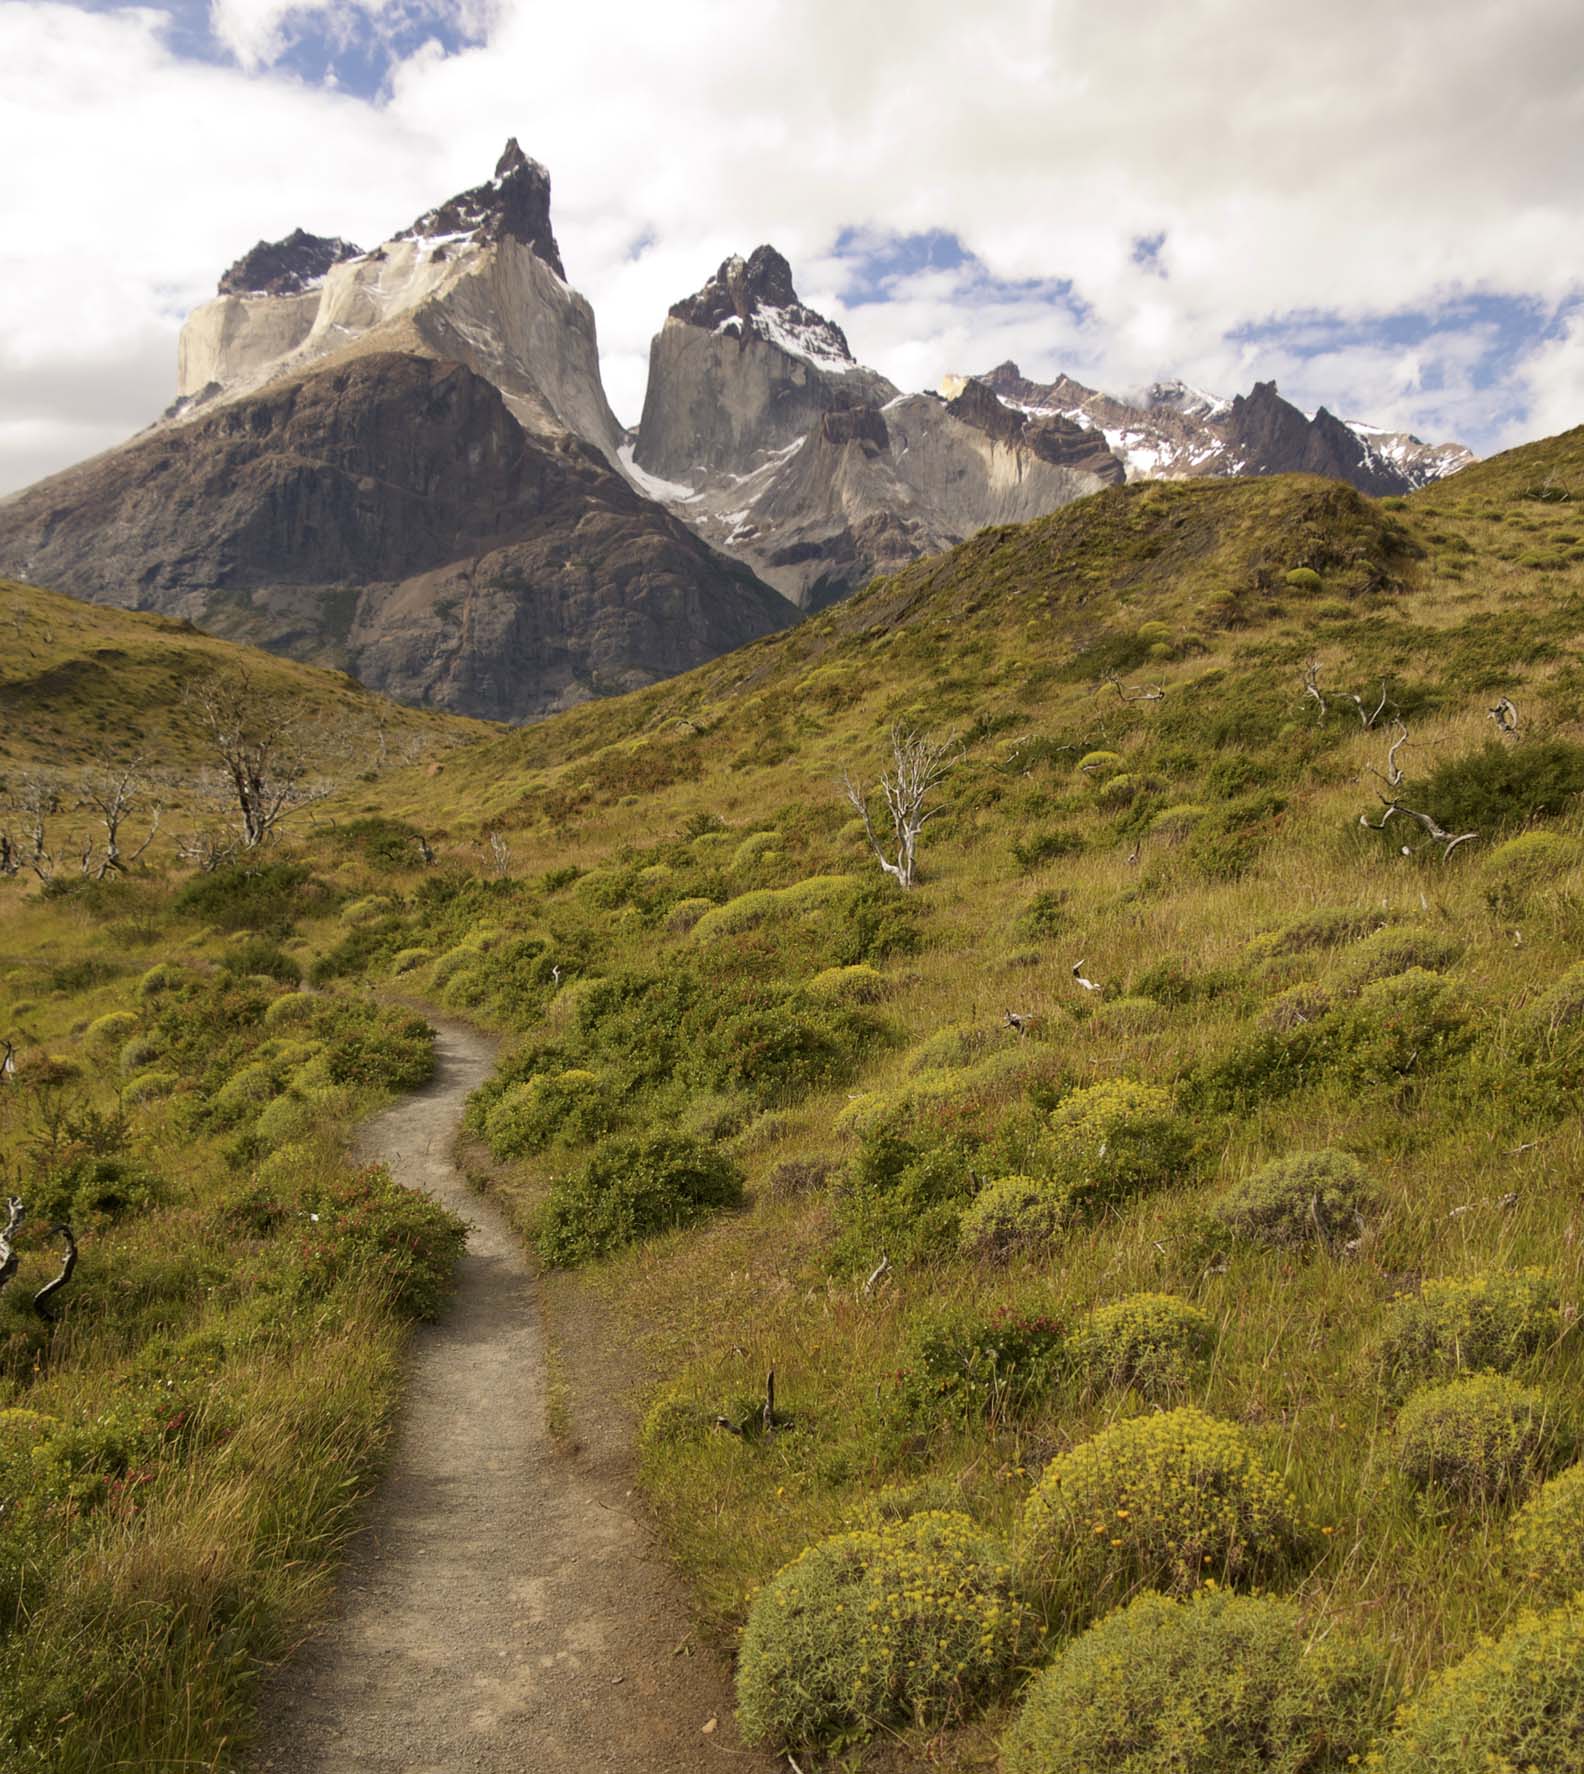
point(877, 1274)
point(8, 1256)
point(51, 1288)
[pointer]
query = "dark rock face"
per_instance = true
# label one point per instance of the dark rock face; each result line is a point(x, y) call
point(514, 205)
point(285, 267)
point(1053, 439)
point(742, 288)
point(856, 425)
point(389, 515)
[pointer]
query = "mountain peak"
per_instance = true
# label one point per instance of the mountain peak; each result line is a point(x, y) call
point(285, 267)
point(755, 297)
point(514, 205)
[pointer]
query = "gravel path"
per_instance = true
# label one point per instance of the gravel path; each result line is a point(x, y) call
point(504, 1607)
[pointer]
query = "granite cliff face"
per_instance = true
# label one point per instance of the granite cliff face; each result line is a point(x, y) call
point(477, 280)
point(762, 431)
point(1173, 431)
point(390, 515)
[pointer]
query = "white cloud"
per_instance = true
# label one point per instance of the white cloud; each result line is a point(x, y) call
point(1358, 159)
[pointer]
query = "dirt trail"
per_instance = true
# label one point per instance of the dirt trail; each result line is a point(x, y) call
point(504, 1607)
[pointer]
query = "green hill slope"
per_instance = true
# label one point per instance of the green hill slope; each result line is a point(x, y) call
point(1172, 1092)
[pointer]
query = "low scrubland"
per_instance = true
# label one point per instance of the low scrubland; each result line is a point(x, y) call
point(1162, 1221)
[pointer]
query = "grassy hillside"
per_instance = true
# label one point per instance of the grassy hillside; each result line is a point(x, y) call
point(82, 683)
point(768, 1110)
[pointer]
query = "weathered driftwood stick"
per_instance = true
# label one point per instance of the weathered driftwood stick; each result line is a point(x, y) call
point(876, 1274)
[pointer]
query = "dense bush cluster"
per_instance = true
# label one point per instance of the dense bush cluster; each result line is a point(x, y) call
point(1545, 1542)
point(1303, 1199)
point(913, 1622)
point(1216, 1684)
point(1481, 1438)
point(632, 1188)
point(1514, 1703)
point(1161, 1501)
point(1466, 1324)
point(1153, 1342)
point(967, 1367)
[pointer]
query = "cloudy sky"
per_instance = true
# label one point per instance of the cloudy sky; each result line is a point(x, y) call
point(1380, 206)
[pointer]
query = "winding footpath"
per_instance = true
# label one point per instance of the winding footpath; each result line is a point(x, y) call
point(503, 1608)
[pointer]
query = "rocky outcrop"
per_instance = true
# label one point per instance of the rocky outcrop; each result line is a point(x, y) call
point(742, 369)
point(1052, 439)
point(286, 267)
point(1173, 431)
point(389, 515)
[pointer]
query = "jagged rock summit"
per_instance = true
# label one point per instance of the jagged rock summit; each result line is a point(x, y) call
point(401, 462)
point(1172, 431)
point(514, 205)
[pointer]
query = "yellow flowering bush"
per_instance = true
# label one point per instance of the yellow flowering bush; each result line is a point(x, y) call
point(1514, 1705)
point(1114, 1139)
point(1305, 1198)
point(1467, 1324)
point(1165, 1501)
point(909, 1623)
point(1153, 1342)
point(1545, 1543)
point(1482, 1437)
point(1217, 1684)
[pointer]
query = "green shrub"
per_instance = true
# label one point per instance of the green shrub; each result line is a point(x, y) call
point(1504, 786)
point(407, 960)
point(291, 1011)
point(858, 984)
point(1545, 1542)
point(138, 1052)
point(1216, 1684)
point(964, 1367)
point(632, 1188)
point(1113, 1140)
point(1302, 1199)
point(146, 1086)
point(1391, 952)
point(1296, 1007)
point(1100, 763)
point(1523, 865)
point(1514, 1705)
point(1302, 579)
point(453, 961)
point(1011, 1215)
point(904, 1190)
point(1325, 929)
point(265, 898)
point(1481, 1438)
point(955, 1046)
point(1039, 848)
point(364, 911)
point(1411, 1022)
point(914, 1622)
point(1466, 1324)
point(110, 1030)
point(1173, 824)
point(260, 957)
point(1162, 1501)
point(163, 976)
point(565, 1108)
point(368, 1223)
point(686, 913)
point(748, 911)
point(1154, 1342)
point(756, 848)
point(1045, 916)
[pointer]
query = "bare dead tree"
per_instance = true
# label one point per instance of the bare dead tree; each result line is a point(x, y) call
point(1311, 686)
point(50, 1288)
point(1393, 776)
point(918, 767)
point(8, 1256)
point(500, 854)
point(35, 802)
point(1019, 1021)
point(1505, 715)
point(255, 742)
point(1368, 717)
point(115, 789)
point(1434, 832)
point(1136, 692)
point(1089, 985)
